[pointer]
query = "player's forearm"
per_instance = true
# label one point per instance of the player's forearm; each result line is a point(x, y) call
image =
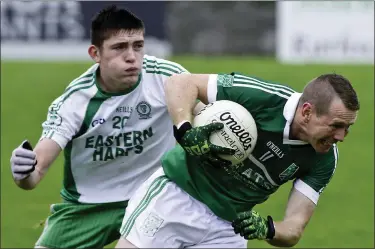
point(46, 151)
point(286, 234)
point(181, 98)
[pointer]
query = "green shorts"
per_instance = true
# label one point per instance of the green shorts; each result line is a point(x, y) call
point(74, 225)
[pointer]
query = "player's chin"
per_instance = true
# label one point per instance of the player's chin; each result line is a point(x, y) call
point(130, 79)
point(322, 146)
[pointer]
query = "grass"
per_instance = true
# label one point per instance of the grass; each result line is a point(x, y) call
point(343, 218)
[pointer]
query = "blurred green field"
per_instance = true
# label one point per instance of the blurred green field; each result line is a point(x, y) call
point(345, 214)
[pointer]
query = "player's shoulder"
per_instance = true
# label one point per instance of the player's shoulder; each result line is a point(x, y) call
point(87, 77)
point(266, 93)
point(155, 65)
point(262, 83)
point(79, 90)
point(83, 82)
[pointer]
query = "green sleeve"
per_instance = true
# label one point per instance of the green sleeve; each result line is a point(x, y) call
point(253, 93)
point(322, 172)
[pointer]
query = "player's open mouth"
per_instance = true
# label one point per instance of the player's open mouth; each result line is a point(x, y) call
point(326, 142)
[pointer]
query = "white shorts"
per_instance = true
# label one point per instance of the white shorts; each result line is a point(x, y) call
point(162, 215)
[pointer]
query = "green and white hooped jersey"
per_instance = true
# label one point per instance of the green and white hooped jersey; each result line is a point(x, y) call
point(112, 143)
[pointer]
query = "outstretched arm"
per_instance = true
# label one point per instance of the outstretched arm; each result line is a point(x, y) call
point(286, 233)
point(298, 213)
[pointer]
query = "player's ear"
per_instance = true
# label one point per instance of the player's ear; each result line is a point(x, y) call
point(94, 53)
point(306, 111)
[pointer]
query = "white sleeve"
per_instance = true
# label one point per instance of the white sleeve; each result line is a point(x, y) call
point(306, 190)
point(212, 88)
point(160, 70)
point(62, 122)
point(171, 68)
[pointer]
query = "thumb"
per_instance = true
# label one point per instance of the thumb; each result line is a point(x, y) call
point(221, 150)
point(26, 145)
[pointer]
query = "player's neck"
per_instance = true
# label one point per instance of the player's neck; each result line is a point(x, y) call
point(298, 130)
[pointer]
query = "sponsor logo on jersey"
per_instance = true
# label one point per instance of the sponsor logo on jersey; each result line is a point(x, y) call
point(275, 149)
point(225, 80)
point(144, 110)
point(288, 172)
point(151, 225)
point(110, 147)
point(249, 176)
point(257, 178)
point(98, 122)
point(126, 109)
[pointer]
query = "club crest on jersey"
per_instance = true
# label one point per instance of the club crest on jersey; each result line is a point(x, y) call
point(53, 118)
point(225, 80)
point(144, 110)
point(288, 172)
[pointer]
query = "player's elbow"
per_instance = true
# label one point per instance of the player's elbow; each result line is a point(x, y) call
point(288, 236)
point(293, 240)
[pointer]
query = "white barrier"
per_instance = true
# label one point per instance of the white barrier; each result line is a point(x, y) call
point(69, 50)
point(340, 32)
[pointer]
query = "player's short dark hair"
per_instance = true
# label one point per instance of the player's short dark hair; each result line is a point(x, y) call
point(322, 90)
point(110, 21)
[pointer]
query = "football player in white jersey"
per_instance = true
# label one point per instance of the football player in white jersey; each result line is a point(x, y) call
point(113, 127)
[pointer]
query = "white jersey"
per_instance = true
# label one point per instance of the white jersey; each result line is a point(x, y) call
point(112, 143)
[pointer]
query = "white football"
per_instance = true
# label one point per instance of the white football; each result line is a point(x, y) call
point(239, 132)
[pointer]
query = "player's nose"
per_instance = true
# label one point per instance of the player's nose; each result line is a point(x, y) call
point(130, 56)
point(340, 135)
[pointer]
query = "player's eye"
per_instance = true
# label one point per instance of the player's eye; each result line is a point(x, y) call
point(118, 47)
point(337, 126)
point(138, 46)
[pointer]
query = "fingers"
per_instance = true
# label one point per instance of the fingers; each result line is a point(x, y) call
point(23, 161)
point(242, 224)
point(248, 232)
point(244, 215)
point(21, 152)
point(26, 145)
point(24, 169)
point(218, 162)
point(251, 236)
point(221, 150)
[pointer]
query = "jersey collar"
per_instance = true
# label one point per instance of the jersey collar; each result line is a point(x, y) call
point(289, 111)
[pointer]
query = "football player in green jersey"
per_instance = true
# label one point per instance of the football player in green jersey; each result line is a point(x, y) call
point(194, 202)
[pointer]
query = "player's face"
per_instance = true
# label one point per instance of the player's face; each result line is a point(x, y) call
point(330, 128)
point(121, 57)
